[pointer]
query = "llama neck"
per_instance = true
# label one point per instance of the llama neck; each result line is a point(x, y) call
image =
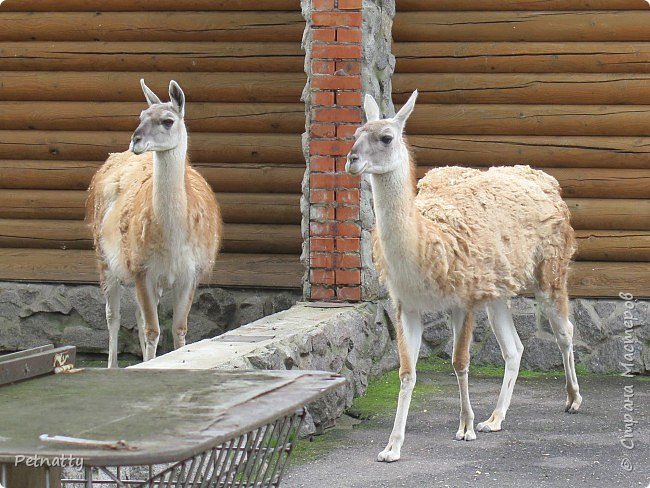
point(169, 194)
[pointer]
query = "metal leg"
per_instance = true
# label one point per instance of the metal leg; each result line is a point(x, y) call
point(3, 475)
point(89, 477)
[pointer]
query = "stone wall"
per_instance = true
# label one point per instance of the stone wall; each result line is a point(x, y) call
point(36, 314)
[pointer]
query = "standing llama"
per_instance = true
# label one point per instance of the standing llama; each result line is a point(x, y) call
point(155, 223)
point(467, 238)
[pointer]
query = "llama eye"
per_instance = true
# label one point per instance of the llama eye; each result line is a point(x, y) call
point(167, 123)
point(386, 139)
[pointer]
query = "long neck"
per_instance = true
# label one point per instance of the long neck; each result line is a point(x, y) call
point(169, 194)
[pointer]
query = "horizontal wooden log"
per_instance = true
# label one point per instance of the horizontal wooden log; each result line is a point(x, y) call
point(595, 182)
point(152, 26)
point(603, 279)
point(541, 151)
point(534, 88)
point(80, 266)
point(75, 234)
point(522, 57)
point(144, 5)
point(215, 148)
point(223, 177)
point(538, 26)
point(537, 120)
point(236, 208)
point(124, 116)
point(456, 5)
point(609, 214)
point(125, 87)
point(152, 56)
point(597, 245)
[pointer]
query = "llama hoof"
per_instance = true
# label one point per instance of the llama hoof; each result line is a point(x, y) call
point(489, 426)
point(572, 406)
point(470, 435)
point(388, 456)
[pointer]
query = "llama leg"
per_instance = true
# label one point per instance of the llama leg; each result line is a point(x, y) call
point(183, 296)
point(463, 324)
point(147, 297)
point(511, 349)
point(139, 319)
point(113, 293)
point(409, 338)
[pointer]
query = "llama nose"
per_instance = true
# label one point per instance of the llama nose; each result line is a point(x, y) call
point(353, 158)
point(136, 139)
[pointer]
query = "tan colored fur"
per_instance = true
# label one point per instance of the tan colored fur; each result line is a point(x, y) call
point(460, 358)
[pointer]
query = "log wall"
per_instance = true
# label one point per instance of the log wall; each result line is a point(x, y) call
point(70, 94)
point(562, 85)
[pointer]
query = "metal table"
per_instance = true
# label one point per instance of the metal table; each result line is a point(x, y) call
point(151, 428)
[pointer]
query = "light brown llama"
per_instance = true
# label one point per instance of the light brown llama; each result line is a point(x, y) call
point(467, 238)
point(155, 223)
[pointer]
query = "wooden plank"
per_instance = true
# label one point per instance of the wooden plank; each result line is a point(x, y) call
point(37, 363)
point(522, 57)
point(236, 208)
point(443, 5)
point(538, 120)
point(609, 214)
point(533, 88)
point(152, 26)
point(602, 279)
point(541, 26)
point(125, 86)
point(89, 145)
point(540, 151)
point(145, 5)
point(152, 56)
point(124, 116)
point(223, 177)
point(80, 266)
point(598, 245)
point(75, 234)
point(595, 182)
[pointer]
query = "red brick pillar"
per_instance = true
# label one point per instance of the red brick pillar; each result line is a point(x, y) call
point(333, 97)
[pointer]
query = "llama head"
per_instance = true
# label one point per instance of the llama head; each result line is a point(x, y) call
point(379, 147)
point(161, 125)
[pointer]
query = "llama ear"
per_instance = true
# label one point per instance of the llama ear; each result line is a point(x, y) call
point(371, 108)
point(151, 97)
point(406, 110)
point(177, 97)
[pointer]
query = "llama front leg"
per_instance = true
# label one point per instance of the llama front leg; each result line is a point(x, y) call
point(501, 322)
point(147, 298)
point(463, 326)
point(183, 296)
point(113, 294)
point(409, 338)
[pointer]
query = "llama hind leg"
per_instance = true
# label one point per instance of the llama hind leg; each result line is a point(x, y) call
point(463, 325)
point(503, 327)
point(409, 338)
point(147, 298)
point(113, 293)
point(183, 296)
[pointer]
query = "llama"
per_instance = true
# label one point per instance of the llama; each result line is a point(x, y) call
point(155, 223)
point(467, 238)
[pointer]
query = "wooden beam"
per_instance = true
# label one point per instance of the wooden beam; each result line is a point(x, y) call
point(80, 266)
point(145, 5)
point(535, 5)
point(599, 279)
point(598, 245)
point(610, 214)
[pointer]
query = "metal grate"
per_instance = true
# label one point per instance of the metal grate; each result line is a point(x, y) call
point(253, 460)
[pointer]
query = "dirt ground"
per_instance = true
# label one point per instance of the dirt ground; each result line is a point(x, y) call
point(540, 444)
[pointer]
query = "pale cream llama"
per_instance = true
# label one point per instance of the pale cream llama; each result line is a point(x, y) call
point(467, 238)
point(155, 223)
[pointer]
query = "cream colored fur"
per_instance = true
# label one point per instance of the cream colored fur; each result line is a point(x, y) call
point(465, 238)
point(155, 222)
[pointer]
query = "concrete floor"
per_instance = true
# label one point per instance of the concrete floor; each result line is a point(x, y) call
point(540, 445)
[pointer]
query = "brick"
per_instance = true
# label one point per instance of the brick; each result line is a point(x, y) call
point(348, 229)
point(322, 4)
point(347, 213)
point(331, 148)
point(337, 114)
point(335, 82)
point(336, 51)
point(347, 244)
point(322, 180)
point(340, 166)
point(347, 196)
point(349, 4)
point(322, 67)
point(346, 131)
point(324, 35)
point(347, 261)
point(349, 293)
point(323, 98)
point(348, 35)
point(348, 98)
point(336, 19)
point(321, 196)
point(322, 213)
point(348, 67)
point(321, 244)
point(324, 131)
point(334, 229)
point(323, 276)
point(348, 277)
point(321, 163)
point(321, 260)
point(319, 292)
